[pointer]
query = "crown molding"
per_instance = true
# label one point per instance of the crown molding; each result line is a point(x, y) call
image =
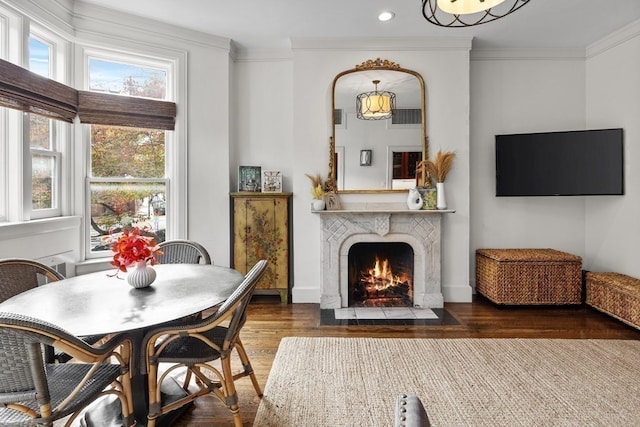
point(381, 43)
point(260, 55)
point(614, 39)
point(565, 54)
point(54, 14)
point(93, 19)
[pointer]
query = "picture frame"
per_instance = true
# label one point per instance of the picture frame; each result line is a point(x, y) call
point(332, 201)
point(365, 157)
point(249, 178)
point(271, 182)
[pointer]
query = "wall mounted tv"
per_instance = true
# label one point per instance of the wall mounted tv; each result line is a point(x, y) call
point(574, 163)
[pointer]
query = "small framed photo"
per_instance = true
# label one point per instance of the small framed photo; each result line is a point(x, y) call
point(333, 201)
point(365, 157)
point(271, 182)
point(249, 178)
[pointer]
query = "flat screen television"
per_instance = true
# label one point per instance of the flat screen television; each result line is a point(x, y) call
point(573, 163)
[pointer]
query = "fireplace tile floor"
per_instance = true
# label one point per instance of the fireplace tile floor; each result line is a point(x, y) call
point(386, 316)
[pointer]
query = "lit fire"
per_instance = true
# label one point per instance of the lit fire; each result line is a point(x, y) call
point(380, 277)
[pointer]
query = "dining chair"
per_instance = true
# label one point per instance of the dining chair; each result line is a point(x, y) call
point(183, 252)
point(195, 345)
point(18, 275)
point(36, 393)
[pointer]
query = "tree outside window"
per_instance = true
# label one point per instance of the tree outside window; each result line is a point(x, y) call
point(128, 182)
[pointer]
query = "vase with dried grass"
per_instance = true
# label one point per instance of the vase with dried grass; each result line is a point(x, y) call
point(317, 192)
point(439, 169)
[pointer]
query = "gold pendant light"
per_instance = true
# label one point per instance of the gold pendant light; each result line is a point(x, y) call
point(376, 105)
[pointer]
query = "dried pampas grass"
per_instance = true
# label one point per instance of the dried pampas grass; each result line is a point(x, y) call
point(441, 165)
point(316, 180)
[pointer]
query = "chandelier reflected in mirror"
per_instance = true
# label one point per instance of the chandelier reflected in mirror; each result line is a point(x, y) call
point(467, 13)
point(376, 105)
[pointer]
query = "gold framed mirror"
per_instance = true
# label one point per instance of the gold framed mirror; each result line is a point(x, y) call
point(394, 145)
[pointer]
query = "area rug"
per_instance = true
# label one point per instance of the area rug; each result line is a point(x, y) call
point(461, 382)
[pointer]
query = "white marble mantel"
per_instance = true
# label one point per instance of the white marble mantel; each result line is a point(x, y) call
point(421, 229)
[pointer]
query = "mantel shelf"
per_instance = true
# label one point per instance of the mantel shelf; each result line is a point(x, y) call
point(381, 211)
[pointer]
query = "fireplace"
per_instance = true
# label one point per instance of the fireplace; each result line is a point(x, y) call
point(419, 230)
point(380, 274)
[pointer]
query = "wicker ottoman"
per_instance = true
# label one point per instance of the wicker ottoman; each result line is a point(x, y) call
point(615, 294)
point(529, 276)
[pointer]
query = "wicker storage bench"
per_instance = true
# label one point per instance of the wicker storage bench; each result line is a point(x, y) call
point(615, 294)
point(529, 276)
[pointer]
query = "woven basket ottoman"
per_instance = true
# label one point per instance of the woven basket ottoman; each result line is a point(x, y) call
point(529, 276)
point(615, 294)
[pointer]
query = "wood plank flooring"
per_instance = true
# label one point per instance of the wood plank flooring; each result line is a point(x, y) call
point(269, 321)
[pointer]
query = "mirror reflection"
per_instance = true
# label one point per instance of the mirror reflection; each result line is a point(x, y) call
point(392, 143)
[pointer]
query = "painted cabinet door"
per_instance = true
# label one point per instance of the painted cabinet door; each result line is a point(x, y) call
point(261, 231)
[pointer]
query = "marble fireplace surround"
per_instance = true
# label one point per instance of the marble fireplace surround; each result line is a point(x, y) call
point(421, 229)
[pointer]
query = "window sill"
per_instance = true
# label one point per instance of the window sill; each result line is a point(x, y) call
point(17, 230)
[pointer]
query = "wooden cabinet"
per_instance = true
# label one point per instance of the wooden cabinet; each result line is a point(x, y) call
point(260, 229)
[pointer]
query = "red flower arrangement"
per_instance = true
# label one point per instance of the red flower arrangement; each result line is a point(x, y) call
point(132, 247)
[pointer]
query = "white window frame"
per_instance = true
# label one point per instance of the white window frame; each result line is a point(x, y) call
point(59, 70)
point(173, 156)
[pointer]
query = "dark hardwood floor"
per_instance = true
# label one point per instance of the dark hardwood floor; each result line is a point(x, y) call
point(269, 321)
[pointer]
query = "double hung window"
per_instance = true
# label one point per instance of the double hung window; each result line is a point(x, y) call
point(127, 183)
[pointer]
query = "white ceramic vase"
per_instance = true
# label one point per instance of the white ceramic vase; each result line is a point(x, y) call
point(318, 205)
point(441, 201)
point(414, 199)
point(141, 276)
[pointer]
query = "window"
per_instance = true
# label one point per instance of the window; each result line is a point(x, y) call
point(42, 135)
point(32, 147)
point(128, 181)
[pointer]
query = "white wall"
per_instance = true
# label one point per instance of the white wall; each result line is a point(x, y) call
point(262, 115)
point(444, 65)
point(517, 93)
point(613, 100)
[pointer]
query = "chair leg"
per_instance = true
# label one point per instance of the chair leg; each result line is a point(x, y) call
point(230, 392)
point(248, 369)
point(154, 402)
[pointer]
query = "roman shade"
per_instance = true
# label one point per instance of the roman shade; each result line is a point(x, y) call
point(27, 91)
point(116, 110)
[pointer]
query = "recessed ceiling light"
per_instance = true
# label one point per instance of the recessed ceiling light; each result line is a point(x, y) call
point(386, 16)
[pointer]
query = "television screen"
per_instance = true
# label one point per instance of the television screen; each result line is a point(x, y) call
point(570, 163)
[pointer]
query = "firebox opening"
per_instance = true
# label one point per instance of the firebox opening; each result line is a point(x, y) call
point(380, 274)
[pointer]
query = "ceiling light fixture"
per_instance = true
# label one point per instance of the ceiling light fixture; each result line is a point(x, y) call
point(376, 105)
point(387, 15)
point(467, 13)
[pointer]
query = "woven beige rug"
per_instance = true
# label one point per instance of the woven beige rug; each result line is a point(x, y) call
point(461, 382)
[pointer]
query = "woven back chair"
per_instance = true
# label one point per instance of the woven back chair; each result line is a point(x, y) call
point(194, 346)
point(183, 252)
point(18, 275)
point(33, 392)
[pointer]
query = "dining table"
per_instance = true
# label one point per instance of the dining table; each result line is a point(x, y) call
point(103, 303)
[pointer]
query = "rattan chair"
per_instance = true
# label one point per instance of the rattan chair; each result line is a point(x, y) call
point(183, 252)
point(18, 275)
point(35, 393)
point(194, 346)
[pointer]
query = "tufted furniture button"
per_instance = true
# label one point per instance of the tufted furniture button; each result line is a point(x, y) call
point(410, 412)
